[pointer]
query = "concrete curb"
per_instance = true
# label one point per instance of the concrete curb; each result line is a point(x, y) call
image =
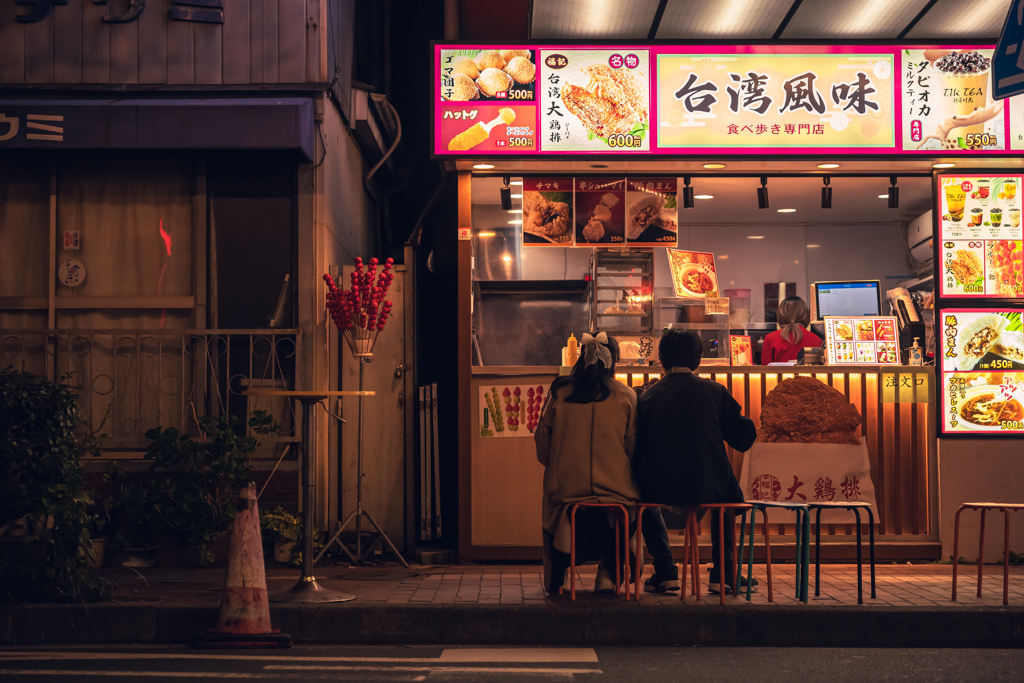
point(611, 624)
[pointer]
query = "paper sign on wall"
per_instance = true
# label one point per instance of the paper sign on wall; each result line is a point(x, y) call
point(510, 410)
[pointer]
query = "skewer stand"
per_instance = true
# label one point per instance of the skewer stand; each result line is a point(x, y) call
point(362, 358)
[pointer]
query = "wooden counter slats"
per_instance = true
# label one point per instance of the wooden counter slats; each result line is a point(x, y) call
point(899, 440)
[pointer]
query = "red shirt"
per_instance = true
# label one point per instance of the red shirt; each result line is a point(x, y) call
point(778, 350)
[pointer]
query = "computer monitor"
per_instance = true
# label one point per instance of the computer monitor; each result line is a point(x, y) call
point(847, 297)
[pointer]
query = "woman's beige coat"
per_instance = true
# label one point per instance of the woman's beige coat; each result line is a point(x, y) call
point(586, 450)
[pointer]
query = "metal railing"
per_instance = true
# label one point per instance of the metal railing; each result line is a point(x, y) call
point(133, 380)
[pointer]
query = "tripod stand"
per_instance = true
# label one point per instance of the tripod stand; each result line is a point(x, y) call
point(358, 514)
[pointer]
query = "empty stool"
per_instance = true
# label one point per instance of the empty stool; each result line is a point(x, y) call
point(617, 509)
point(694, 557)
point(803, 544)
point(856, 507)
point(984, 507)
point(639, 566)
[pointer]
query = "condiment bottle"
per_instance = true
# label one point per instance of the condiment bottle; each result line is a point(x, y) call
point(915, 353)
point(573, 350)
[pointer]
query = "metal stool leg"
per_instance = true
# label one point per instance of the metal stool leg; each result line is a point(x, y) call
point(624, 565)
point(956, 547)
point(871, 536)
point(750, 560)
point(695, 558)
point(1006, 556)
point(981, 550)
point(806, 556)
point(572, 553)
point(743, 528)
point(639, 563)
point(721, 554)
point(767, 555)
point(860, 571)
point(817, 554)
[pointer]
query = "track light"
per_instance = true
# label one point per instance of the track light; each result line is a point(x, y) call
point(826, 195)
point(506, 195)
point(894, 193)
point(687, 193)
point(762, 193)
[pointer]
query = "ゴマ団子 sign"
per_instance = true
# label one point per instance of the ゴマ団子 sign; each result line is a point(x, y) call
point(525, 100)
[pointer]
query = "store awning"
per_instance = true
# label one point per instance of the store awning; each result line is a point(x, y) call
point(213, 123)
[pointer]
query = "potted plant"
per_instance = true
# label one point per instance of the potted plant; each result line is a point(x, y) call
point(191, 486)
point(43, 498)
point(98, 538)
point(281, 532)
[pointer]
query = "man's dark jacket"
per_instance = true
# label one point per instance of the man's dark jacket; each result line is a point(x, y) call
point(680, 458)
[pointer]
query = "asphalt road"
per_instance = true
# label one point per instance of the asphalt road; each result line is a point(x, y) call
point(508, 665)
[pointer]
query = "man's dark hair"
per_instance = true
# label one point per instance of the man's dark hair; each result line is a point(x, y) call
point(680, 349)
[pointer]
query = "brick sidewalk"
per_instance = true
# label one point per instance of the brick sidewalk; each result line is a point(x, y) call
point(897, 585)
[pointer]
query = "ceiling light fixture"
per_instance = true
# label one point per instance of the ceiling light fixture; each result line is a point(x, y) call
point(813, 246)
point(828, 165)
point(714, 165)
point(755, 237)
point(486, 233)
point(894, 193)
point(826, 192)
point(517, 196)
point(506, 194)
point(883, 196)
point(515, 210)
point(517, 222)
point(483, 167)
point(704, 196)
point(516, 182)
point(946, 165)
point(787, 210)
point(687, 193)
point(762, 193)
point(506, 258)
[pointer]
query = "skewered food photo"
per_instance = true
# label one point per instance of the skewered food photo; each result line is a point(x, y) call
point(600, 217)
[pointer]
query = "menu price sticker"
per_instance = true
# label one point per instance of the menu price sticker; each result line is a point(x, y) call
point(861, 341)
point(595, 100)
point(547, 212)
point(741, 349)
point(716, 306)
point(947, 101)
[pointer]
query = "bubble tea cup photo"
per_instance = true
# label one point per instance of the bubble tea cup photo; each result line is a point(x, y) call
point(996, 217)
point(955, 197)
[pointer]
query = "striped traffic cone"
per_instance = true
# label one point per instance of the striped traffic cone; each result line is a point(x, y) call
point(244, 619)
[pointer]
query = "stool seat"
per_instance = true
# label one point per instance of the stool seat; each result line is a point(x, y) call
point(803, 544)
point(1006, 509)
point(855, 506)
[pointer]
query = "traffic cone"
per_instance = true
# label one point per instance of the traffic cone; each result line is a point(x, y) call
point(244, 619)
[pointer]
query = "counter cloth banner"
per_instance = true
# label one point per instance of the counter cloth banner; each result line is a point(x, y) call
point(810, 473)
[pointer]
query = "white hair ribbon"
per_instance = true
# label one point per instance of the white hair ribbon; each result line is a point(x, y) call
point(596, 348)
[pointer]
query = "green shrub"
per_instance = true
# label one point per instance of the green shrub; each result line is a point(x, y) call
point(43, 440)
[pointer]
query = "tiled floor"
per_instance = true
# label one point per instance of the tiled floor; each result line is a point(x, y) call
point(897, 585)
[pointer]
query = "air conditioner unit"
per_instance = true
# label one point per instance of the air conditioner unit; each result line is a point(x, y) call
point(919, 237)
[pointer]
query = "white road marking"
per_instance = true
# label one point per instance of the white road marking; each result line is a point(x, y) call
point(479, 655)
point(151, 674)
point(436, 669)
point(520, 654)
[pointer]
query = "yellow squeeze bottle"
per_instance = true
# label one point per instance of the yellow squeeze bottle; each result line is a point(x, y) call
point(573, 350)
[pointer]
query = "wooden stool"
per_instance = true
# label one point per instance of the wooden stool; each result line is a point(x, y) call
point(803, 544)
point(691, 530)
point(619, 566)
point(856, 507)
point(984, 507)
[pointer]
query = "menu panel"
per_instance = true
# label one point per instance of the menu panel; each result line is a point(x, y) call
point(693, 274)
point(980, 236)
point(652, 215)
point(947, 102)
point(861, 340)
point(547, 212)
point(982, 368)
point(600, 211)
point(595, 100)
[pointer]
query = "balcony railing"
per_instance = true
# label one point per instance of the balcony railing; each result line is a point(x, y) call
point(133, 380)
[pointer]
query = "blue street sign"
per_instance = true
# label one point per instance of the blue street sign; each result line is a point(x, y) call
point(1008, 60)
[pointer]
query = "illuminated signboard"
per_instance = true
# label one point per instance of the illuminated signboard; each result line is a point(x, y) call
point(980, 236)
point(982, 371)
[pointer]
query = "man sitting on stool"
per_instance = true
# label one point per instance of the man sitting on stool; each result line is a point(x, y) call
point(680, 459)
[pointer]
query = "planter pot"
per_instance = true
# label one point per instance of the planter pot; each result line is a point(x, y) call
point(99, 549)
point(283, 550)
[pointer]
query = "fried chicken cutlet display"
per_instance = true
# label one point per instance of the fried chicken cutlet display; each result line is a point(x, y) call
point(805, 410)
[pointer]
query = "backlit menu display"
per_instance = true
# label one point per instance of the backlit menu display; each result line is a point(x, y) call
point(982, 370)
point(980, 236)
point(861, 341)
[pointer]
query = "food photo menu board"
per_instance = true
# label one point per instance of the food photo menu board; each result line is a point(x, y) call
point(982, 369)
point(861, 341)
point(980, 236)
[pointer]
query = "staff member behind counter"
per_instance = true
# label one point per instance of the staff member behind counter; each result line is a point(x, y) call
point(786, 343)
